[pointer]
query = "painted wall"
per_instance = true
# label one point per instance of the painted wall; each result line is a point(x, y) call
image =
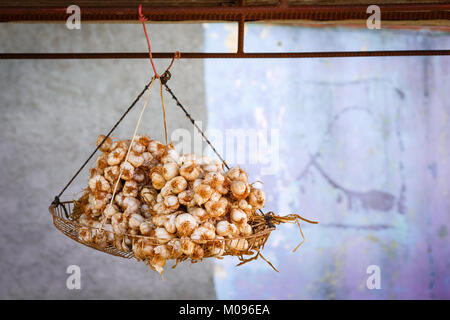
point(363, 148)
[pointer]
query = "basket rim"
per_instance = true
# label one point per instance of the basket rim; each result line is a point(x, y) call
point(54, 206)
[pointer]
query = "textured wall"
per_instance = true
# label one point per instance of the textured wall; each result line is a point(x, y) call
point(363, 148)
point(51, 114)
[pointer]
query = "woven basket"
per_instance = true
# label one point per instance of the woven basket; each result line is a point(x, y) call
point(64, 221)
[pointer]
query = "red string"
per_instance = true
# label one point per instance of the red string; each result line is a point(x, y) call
point(176, 55)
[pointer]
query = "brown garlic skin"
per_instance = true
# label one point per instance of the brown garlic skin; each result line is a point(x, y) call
point(158, 180)
point(190, 171)
point(146, 228)
point(257, 198)
point(240, 189)
point(186, 198)
point(237, 174)
point(238, 216)
point(177, 184)
point(148, 195)
point(170, 170)
point(116, 156)
point(185, 224)
point(202, 235)
point(202, 193)
point(217, 208)
point(106, 146)
point(130, 189)
point(199, 213)
point(111, 174)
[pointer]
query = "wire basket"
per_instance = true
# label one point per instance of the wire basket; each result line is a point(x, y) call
point(65, 221)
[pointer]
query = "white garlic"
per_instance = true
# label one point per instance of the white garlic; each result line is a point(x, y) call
point(162, 251)
point(202, 193)
point(224, 228)
point(130, 205)
point(139, 175)
point(177, 184)
point(239, 189)
point(148, 195)
point(135, 221)
point(187, 246)
point(99, 183)
point(245, 229)
point(238, 216)
point(238, 244)
point(237, 174)
point(130, 189)
point(170, 170)
point(202, 235)
point(185, 224)
point(186, 198)
point(171, 203)
point(111, 174)
point(116, 156)
point(199, 213)
point(257, 198)
point(127, 170)
point(110, 210)
point(162, 235)
point(190, 171)
point(158, 180)
point(169, 223)
point(146, 228)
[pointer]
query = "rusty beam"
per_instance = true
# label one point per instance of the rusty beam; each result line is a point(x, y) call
point(199, 55)
point(390, 12)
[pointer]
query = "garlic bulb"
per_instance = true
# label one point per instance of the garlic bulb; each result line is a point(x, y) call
point(169, 223)
point(116, 156)
point(240, 189)
point(106, 146)
point(170, 170)
point(111, 174)
point(238, 216)
point(202, 193)
point(158, 180)
point(146, 228)
point(177, 184)
point(187, 246)
point(185, 224)
point(162, 235)
point(186, 198)
point(127, 171)
point(135, 221)
point(238, 244)
point(224, 228)
point(148, 195)
point(130, 189)
point(237, 174)
point(199, 213)
point(190, 171)
point(257, 198)
point(130, 205)
point(110, 210)
point(202, 235)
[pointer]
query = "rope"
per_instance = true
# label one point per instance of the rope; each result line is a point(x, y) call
point(132, 140)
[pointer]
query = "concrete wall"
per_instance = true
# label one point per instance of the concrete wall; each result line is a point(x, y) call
point(51, 114)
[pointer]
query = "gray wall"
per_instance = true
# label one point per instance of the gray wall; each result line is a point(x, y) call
point(51, 114)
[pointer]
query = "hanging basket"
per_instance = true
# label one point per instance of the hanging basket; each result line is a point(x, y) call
point(67, 217)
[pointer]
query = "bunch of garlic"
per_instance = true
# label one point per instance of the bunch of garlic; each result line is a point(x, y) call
point(166, 205)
